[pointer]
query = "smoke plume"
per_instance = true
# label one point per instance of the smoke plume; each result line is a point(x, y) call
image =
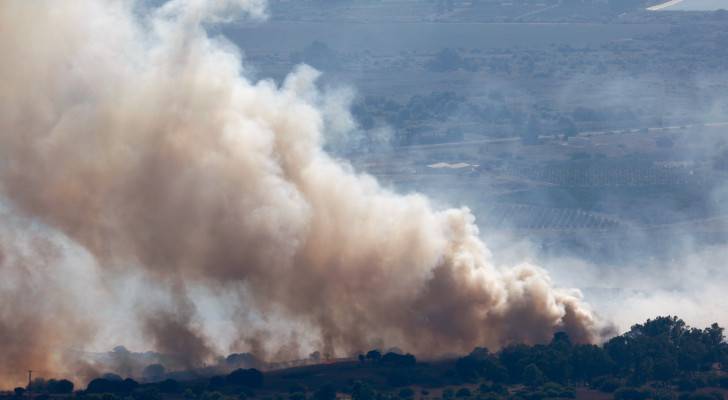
point(135, 135)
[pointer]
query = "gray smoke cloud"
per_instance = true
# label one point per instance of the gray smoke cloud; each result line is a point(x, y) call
point(134, 134)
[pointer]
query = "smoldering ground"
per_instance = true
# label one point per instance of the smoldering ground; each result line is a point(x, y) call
point(134, 136)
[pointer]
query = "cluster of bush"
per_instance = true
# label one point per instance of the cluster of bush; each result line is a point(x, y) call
point(485, 391)
point(661, 349)
point(43, 389)
point(113, 387)
point(633, 393)
point(681, 362)
point(389, 359)
point(251, 378)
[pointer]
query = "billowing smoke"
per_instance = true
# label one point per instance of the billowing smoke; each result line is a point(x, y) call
point(135, 135)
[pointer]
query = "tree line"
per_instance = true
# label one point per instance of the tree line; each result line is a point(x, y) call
point(662, 358)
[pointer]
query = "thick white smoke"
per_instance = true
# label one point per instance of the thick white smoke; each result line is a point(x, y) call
point(137, 136)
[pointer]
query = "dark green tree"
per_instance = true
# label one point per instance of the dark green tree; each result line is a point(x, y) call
point(374, 355)
point(363, 391)
point(532, 375)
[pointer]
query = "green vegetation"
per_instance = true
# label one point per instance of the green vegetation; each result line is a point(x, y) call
point(660, 359)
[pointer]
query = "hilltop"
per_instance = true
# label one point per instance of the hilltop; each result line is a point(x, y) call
point(662, 358)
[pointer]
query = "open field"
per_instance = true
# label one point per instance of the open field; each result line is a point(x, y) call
point(691, 5)
point(393, 38)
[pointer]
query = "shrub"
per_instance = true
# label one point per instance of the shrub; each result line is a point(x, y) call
point(326, 392)
point(245, 377)
point(189, 395)
point(103, 385)
point(552, 389)
point(607, 384)
point(686, 385)
point(488, 396)
point(702, 396)
point(363, 391)
point(630, 393)
point(214, 395)
point(147, 394)
point(496, 388)
point(463, 392)
point(406, 393)
point(373, 355)
point(535, 395)
point(664, 395)
point(169, 386)
point(63, 386)
point(99, 385)
point(532, 375)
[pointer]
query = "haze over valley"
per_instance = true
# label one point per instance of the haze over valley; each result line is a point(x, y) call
point(370, 199)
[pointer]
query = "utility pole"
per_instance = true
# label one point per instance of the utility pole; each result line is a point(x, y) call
point(30, 377)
